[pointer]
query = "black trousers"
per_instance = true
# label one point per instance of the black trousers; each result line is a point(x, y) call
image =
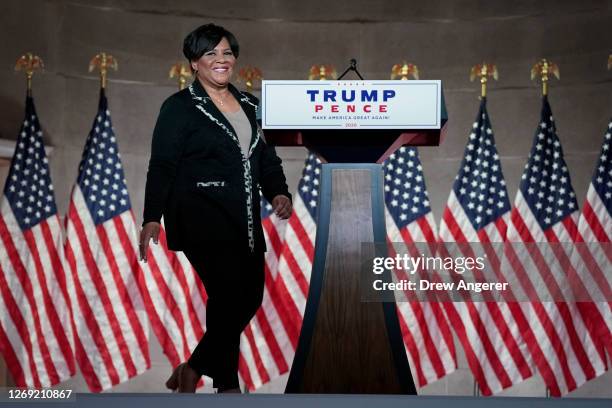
point(234, 282)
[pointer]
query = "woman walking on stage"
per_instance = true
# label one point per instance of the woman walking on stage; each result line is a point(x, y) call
point(209, 160)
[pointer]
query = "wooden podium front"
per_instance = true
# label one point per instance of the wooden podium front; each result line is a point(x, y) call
point(348, 346)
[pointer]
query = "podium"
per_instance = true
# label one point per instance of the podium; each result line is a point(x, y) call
point(347, 346)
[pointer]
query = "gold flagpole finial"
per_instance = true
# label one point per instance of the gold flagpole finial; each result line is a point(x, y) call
point(609, 61)
point(103, 61)
point(249, 75)
point(404, 70)
point(29, 63)
point(484, 71)
point(544, 68)
point(322, 72)
point(180, 71)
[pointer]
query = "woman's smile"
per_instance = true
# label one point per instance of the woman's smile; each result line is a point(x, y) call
point(214, 68)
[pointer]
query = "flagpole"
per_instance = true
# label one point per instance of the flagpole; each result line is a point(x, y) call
point(29, 63)
point(543, 69)
point(484, 71)
point(182, 72)
point(476, 389)
point(103, 62)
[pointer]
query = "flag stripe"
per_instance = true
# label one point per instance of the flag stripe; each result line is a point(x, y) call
point(297, 258)
point(117, 231)
point(193, 287)
point(421, 332)
point(172, 282)
point(294, 276)
point(166, 331)
point(274, 240)
point(170, 304)
point(259, 365)
point(14, 365)
point(541, 310)
point(41, 354)
point(85, 345)
point(479, 318)
point(570, 319)
point(504, 315)
point(122, 294)
point(92, 278)
point(18, 321)
point(416, 362)
point(424, 325)
point(245, 373)
point(85, 314)
point(290, 312)
point(593, 221)
point(167, 304)
point(51, 235)
point(302, 235)
point(50, 323)
point(44, 307)
point(264, 317)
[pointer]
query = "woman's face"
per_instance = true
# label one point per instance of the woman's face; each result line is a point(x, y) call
point(215, 67)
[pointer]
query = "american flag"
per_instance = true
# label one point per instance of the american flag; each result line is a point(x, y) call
point(110, 318)
point(36, 332)
point(478, 210)
point(595, 225)
point(546, 211)
point(268, 343)
point(295, 263)
point(427, 336)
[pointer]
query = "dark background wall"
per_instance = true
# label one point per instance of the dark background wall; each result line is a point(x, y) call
point(284, 38)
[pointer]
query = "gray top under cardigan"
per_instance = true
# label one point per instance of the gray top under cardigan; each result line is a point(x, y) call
point(242, 127)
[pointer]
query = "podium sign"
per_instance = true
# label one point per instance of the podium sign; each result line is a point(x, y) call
point(352, 104)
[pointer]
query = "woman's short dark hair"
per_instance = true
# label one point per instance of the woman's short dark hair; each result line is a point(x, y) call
point(205, 38)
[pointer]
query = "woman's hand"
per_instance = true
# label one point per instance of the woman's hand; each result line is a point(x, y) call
point(149, 230)
point(282, 206)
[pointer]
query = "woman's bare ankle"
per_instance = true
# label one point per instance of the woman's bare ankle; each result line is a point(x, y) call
point(187, 379)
